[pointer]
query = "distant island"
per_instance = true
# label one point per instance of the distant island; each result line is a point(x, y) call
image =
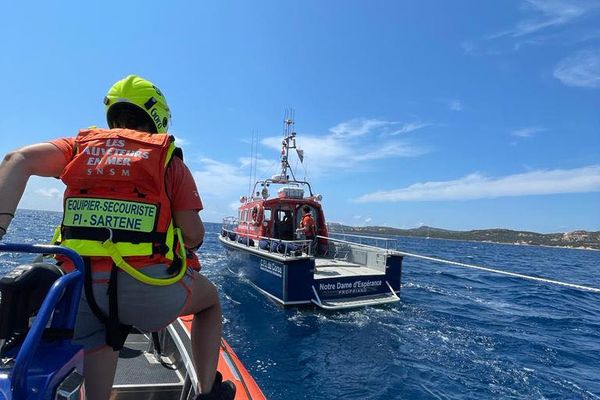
point(575, 239)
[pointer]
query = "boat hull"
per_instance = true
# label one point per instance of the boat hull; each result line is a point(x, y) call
point(230, 366)
point(303, 280)
point(272, 275)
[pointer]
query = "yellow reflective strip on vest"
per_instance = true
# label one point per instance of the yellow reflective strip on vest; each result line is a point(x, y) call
point(56, 236)
point(89, 212)
point(93, 248)
point(170, 151)
point(170, 240)
point(117, 258)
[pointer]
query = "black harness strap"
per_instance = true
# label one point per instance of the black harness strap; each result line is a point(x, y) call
point(175, 266)
point(156, 342)
point(118, 235)
point(58, 334)
point(116, 333)
point(89, 293)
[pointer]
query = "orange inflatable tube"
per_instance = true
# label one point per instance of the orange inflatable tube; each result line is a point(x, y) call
point(232, 369)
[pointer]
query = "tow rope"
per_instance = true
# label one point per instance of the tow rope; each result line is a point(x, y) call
point(501, 272)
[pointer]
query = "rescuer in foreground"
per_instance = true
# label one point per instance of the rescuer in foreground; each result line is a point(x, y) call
point(131, 211)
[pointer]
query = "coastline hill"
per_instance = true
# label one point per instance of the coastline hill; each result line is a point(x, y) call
point(580, 238)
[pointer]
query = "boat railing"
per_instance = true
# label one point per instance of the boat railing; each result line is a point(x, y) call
point(284, 248)
point(362, 254)
point(374, 241)
point(287, 248)
point(268, 182)
point(230, 223)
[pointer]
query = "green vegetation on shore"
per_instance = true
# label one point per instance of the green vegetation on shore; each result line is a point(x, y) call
point(579, 239)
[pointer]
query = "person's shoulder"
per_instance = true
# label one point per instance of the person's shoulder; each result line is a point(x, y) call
point(176, 165)
point(64, 143)
point(70, 140)
point(178, 172)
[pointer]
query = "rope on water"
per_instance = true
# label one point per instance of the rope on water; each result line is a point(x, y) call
point(497, 271)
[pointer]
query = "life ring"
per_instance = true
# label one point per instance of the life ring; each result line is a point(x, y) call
point(257, 214)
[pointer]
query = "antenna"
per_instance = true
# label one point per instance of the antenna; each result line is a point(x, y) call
point(255, 156)
point(251, 157)
point(289, 142)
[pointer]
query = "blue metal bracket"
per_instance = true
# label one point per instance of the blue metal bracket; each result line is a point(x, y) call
point(54, 300)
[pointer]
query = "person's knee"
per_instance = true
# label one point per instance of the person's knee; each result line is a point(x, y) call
point(206, 295)
point(212, 293)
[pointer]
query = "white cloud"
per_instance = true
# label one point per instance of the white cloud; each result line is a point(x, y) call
point(571, 37)
point(389, 150)
point(43, 194)
point(477, 186)
point(455, 105)
point(220, 186)
point(357, 127)
point(527, 132)
point(219, 179)
point(261, 165)
point(53, 193)
point(367, 220)
point(473, 49)
point(180, 141)
point(350, 144)
point(328, 149)
point(468, 47)
point(548, 14)
point(581, 69)
point(346, 145)
point(409, 127)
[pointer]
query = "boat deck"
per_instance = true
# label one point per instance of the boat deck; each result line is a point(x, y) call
point(330, 268)
point(141, 376)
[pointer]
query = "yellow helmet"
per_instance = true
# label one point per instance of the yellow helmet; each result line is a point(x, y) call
point(134, 94)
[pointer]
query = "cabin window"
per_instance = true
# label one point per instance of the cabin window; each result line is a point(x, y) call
point(267, 214)
point(244, 216)
point(284, 225)
point(284, 215)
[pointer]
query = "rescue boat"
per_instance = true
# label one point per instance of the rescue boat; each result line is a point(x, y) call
point(265, 246)
point(38, 307)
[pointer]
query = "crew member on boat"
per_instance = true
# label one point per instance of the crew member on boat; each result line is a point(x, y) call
point(309, 228)
point(131, 210)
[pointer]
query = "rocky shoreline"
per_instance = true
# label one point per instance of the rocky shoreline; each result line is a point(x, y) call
point(576, 239)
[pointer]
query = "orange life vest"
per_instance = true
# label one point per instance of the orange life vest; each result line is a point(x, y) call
point(308, 223)
point(116, 189)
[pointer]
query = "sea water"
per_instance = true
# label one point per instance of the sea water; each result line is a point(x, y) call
point(455, 334)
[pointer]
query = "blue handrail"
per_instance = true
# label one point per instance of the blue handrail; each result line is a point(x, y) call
point(32, 340)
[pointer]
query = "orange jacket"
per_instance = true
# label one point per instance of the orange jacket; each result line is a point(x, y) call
point(116, 187)
point(308, 225)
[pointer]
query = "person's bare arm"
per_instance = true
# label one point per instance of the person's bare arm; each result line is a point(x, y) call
point(43, 159)
point(190, 223)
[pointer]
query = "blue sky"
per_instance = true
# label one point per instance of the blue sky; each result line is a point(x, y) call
point(458, 115)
